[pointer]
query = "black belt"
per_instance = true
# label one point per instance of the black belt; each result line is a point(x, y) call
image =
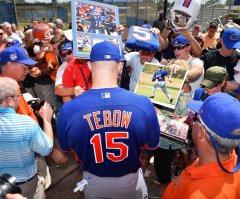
point(19, 183)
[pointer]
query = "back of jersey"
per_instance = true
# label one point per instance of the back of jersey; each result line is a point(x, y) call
point(107, 128)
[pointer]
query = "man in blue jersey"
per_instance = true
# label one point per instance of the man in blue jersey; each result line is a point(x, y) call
point(160, 75)
point(102, 127)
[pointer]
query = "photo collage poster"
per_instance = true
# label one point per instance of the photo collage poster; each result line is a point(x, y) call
point(93, 22)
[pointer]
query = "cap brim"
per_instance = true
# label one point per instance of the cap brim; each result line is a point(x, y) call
point(195, 105)
point(28, 62)
point(209, 84)
point(66, 48)
point(232, 45)
point(35, 99)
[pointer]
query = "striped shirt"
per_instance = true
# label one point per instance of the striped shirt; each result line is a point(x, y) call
point(20, 138)
point(133, 61)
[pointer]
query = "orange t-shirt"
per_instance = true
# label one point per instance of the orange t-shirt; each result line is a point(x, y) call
point(24, 109)
point(51, 58)
point(207, 181)
point(210, 42)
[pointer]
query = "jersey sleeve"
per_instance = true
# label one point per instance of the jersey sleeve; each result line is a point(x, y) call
point(153, 137)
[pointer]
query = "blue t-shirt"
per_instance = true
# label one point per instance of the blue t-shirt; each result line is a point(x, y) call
point(107, 128)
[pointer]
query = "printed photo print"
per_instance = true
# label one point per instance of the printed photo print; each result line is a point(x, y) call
point(160, 84)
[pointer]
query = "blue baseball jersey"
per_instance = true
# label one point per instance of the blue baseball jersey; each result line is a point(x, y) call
point(142, 39)
point(106, 128)
point(160, 75)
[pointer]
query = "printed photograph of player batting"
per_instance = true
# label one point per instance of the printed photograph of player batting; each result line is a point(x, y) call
point(160, 84)
point(92, 21)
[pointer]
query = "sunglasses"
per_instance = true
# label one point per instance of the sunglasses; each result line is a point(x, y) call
point(196, 118)
point(67, 53)
point(179, 47)
point(1, 33)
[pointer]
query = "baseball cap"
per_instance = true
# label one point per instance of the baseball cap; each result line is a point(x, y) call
point(59, 22)
point(28, 97)
point(197, 28)
point(220, 113)
point(180, 39)
point(27, 27)
point(231, 38)
point(214, 76)
point(16, 54)
point(213, 23)
point(105, 51)
point(66, 46)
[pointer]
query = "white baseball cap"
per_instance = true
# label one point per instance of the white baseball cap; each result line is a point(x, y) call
point(28, 97)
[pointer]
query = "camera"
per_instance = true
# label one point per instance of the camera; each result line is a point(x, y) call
point(8, 185)
point(35, 105)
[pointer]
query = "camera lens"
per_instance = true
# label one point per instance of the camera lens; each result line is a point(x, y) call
point(8, 185)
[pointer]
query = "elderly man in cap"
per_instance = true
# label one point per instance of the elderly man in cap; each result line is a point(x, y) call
point(15, 63)
point(216, 134)
point(226, 56)
point(102, 127)
point(214, 80)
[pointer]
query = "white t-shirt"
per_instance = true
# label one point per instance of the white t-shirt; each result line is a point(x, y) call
point(133, 60)
point(16, 37)
point(193, 61)
point(60, 72)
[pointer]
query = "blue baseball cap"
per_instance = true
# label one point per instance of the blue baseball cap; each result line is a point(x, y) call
point(220, 113)
point(180, 39)
point(16, 54)
point(66, 46)
point(105, 51)
point(231, 38)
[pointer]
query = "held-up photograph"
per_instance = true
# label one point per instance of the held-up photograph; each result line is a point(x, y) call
point(160, 84)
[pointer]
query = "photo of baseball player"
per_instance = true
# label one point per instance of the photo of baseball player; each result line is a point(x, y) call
point(170, 88)
point(160, 76)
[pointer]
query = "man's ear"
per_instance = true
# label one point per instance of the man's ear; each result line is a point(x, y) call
point(120, 66)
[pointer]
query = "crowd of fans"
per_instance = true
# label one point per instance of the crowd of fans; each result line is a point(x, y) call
point(53, 76)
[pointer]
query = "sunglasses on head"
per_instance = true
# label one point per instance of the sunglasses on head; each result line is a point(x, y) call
point(65, 54)
point(214, 27)
point(179, 47)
